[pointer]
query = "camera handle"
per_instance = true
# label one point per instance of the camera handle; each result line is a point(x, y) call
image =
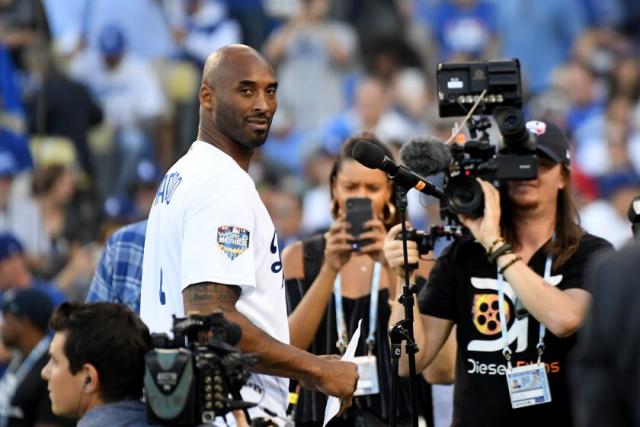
point(403, 330)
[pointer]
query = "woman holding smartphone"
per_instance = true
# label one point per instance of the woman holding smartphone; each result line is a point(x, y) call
point(341, 276)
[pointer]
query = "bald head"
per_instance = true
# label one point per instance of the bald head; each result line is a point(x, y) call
point(237, 97)
point(225, 62)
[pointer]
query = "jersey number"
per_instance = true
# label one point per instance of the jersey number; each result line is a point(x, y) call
point(276, 266)
point(163, 300)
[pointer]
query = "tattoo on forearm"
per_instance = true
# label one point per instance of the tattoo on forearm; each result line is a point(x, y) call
point(209, 297)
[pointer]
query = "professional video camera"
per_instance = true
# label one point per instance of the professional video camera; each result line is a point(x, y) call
point(425, 240)
point(196, 376)
point(484, 88)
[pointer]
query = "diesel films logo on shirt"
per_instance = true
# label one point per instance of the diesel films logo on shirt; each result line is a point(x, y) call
point(232, 240)
point(484, 313)
point(481, 368)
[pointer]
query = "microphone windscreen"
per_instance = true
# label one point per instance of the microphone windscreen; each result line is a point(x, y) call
point(426, 156)
point(368, 154)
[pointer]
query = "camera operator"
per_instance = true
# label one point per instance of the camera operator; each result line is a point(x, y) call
point(96, 365)
point(211, 245)
point(527, 257)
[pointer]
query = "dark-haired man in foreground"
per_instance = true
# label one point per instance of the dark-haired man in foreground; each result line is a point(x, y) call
point(96, 366)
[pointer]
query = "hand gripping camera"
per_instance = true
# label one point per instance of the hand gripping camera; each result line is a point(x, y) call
point(196, 376)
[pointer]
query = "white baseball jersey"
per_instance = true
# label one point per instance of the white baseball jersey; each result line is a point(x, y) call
point(208, 224)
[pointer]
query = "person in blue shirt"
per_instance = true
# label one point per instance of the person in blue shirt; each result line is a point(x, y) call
point(465, 30)
point(119, 271)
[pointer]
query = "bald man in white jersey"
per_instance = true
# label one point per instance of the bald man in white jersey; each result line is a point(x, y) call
point(211, 245)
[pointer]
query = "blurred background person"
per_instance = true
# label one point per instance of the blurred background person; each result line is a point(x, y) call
point(22, 22)
point(24, 400)
point(131, 98)
point(118, 275)
point(285, 207)
point(606, 217)
point(45, 223)
point(371, 112)
point(148, 177)
point(312, 53)
point(465, 30)
point(8, 170)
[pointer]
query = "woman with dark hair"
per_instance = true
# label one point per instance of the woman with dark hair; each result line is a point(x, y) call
point(331, 286)
point(44, 227)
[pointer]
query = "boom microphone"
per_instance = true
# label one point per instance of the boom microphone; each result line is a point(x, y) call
point(427, 156)
point(373, 157)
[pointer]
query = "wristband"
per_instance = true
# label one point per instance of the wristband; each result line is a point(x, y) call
point(495, 242)
point(502, 250)
point(509, 264)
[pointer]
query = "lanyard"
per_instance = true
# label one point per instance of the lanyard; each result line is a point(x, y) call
point(503, 321)
point(341, 326)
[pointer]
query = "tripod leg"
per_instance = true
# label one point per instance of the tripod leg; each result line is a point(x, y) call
point(394, 386)
point(414, 390)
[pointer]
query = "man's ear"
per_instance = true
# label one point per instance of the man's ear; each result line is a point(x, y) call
point(91, 378)
point(207, 97)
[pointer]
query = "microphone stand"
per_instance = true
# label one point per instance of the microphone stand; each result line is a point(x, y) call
point(403, 330)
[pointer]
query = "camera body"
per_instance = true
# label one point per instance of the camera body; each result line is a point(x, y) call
point(460, 85)
point(196, 376)
point(425, 240)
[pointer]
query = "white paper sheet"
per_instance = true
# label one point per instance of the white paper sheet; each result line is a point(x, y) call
point(333, 403)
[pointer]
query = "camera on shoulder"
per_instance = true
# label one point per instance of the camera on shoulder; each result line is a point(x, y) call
point(494, 88)
point(197, 375)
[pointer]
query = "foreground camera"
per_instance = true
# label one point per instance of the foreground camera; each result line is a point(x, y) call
point(425, 240)
point(196, 376)
point(460, 85)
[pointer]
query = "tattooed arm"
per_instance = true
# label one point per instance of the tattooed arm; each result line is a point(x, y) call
point(333, 377)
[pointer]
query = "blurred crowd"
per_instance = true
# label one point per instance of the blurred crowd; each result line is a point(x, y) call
point(99, 97)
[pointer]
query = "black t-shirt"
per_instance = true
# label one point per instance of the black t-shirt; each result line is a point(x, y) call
point(462, 287)
point(32, 399)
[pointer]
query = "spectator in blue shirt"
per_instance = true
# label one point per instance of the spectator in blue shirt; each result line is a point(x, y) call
point(465, 30)
point(119, 272)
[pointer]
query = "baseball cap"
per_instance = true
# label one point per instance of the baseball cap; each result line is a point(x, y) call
point(611, 183)
point(147, 173)
point(119, 208)
point(550, 141)
point(9, 246)
point(111, 40)
point(31, 303)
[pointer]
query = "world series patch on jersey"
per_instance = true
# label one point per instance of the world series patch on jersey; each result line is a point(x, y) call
point(232, 240)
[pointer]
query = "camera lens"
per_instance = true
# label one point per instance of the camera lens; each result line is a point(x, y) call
point(512, 126)
point(463, 195)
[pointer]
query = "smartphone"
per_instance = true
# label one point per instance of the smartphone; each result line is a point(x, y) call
point(359, 211)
